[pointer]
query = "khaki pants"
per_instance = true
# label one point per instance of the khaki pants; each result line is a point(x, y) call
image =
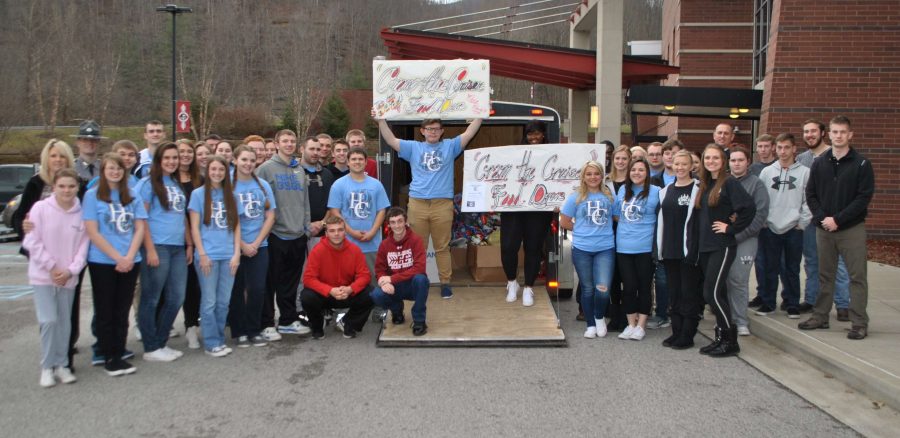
point(434, 218)
point(849, 243)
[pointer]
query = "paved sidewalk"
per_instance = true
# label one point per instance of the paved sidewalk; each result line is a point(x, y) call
point(870, 366)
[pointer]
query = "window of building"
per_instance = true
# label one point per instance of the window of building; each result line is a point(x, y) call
point(762, 18)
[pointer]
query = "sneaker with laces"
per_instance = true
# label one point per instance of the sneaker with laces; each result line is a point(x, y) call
point(419, 328)
point(590, 333)
point(626, 334)
point(397, 318)
point(176, 353)
point(192, 334)
point(743, 330)
point(158, 355)
point(755, 302)
point(228, 349)
point(601, 327)
point(349, 331)
point(512, 291)
point(637, 333)
point(259, 341)
point(118, 367)
point(764, 310)
point(446, 292)
point(294, 328)
point(217, 351)
point(528, 297)
point(793, 313)
point(243, 342)
point(271, 334)
point(47, 379)
point(64, 374)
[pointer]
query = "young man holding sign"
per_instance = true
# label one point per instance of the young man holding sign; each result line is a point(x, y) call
point(431, 189)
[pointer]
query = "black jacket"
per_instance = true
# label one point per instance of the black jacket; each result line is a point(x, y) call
point(733, 199)
point(841, 189)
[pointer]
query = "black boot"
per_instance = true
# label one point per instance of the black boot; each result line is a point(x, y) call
point(676, 330)
point(685, 339)
point(728, 346)
point(715, 343)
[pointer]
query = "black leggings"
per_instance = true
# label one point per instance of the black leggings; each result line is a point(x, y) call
point(637, 276)
point(715, 266)
point(191, 306)
point(683, 281)
point(529, 228)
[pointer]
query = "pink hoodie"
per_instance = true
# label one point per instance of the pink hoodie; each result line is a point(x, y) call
point(59, 239)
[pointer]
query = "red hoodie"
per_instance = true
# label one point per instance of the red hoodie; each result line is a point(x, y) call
point(328, 268)
point(401, 260)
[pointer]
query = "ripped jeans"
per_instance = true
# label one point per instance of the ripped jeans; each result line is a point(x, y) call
point(595, 271)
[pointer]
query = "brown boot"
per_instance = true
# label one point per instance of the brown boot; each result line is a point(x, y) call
point(858, 332)
point(843, 315)
point(812, 324)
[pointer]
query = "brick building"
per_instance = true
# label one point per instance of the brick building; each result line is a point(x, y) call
point(812, 59)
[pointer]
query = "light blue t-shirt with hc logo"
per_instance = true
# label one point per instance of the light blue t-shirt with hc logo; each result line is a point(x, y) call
point(432, 167)
point(637, 220)
point(115, 222)
point(359, 203)
point(251, 204)
point(166, 226)
point(593, 230)
point(218, 240)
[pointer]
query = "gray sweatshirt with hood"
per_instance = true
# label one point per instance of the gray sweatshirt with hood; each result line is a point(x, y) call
point(787, 197)
point(288, 182)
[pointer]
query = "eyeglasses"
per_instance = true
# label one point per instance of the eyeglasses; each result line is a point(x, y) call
point(433, 129)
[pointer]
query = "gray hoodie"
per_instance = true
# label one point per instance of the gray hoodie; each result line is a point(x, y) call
point(288, 182)
point(757, 191)
point(787, 197)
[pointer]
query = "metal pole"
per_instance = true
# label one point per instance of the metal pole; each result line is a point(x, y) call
point(173, 79)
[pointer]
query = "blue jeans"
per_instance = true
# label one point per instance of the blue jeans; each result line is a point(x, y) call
point(594, 271)
point(787, 247)
point(662, 291)
point(170, 277)
point(415, 289)
point(811, 266)
point(215, 295)
point(245, 313)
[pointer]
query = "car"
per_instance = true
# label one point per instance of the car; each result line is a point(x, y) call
point(9, 210)
point(13, 178)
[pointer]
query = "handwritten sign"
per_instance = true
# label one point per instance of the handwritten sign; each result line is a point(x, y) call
point(526, 177)
point(411, 90)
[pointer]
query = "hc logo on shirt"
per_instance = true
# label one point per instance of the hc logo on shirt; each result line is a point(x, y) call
point(632, 211)
point(359, 205)
point(432, 161)
point(596, 213)
point(121, 219)
point(252, 206)
point(176, 198)
point(218, 215)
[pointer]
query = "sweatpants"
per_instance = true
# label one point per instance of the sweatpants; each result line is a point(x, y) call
point(739, 280)
point(684, 289)
point(526, 229)
point(637, 276)
point(286, 259)
point(715, 266)
point(358, 306)
point(53, 305)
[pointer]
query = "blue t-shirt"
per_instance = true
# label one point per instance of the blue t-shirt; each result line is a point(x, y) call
point(593, 229)
point(668, 179)
point(166, 226)
point(251, 204)
point(218, 240)
point(637, 220)
point(359, 203)
point(114, 221)
point(432, 167)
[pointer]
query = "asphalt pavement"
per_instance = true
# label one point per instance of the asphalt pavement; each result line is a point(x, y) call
point(347, 387)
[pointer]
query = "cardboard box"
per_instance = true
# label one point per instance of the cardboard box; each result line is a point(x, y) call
point(459, 257)
point(485, 264)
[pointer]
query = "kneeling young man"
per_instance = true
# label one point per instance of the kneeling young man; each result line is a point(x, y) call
point(336, 277)
point(400, 269)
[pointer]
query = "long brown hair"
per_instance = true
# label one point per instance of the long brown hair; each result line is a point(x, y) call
point(614, 173)
point(193, 172)
point(103, 191)
point(236, 154)
point(156, 175)
point(227, 195)
point(705, 176)
point(629, 184)
point(582, 187)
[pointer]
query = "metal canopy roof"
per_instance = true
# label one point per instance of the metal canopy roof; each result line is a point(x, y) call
point(560, 66)
point(695, 101)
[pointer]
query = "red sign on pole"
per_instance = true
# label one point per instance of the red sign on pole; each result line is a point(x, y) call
point(183, 116)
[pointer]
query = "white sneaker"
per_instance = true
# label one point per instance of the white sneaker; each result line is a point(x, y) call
point(64, 374)
point(295, 328)
point(528, 297)
point(158, 355)
point(137, 332)
point(743, 330)
point(512, 291)
point(271, 334)
point(47, 379)
point(173, 351)
point(174, 333)
point(228, 349)
point(217, 352)
point(626, 334)
point(601, 327)
point(637, 334)
point(590, 333)
point(192, 334)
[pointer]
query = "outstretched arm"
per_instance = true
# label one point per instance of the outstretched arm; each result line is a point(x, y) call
point(469, 133)
point(388, 135)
